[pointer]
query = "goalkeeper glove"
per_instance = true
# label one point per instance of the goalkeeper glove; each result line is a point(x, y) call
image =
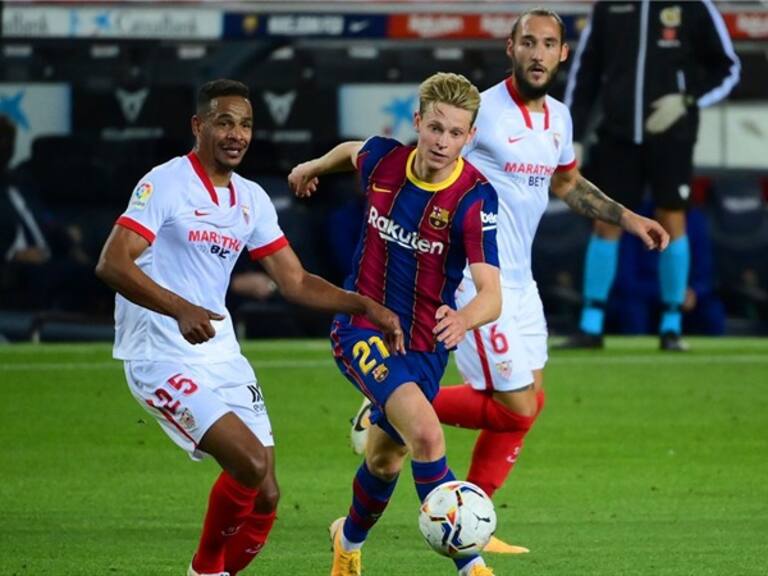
point(666, 111)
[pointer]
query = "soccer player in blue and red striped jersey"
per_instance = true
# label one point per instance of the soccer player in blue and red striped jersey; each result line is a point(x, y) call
point(429, 213)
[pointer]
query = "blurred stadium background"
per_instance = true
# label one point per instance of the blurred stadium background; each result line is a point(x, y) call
point(101, 92)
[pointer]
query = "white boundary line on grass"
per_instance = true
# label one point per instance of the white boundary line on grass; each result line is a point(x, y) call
point(645, 344)
point(654, 359)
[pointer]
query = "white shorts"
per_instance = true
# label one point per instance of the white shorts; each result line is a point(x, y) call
point(186, 399)
point(503, 355)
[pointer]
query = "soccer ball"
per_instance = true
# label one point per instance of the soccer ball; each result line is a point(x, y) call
point(457, 519)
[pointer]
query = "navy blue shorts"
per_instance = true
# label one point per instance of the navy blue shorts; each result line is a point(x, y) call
point(362, 357)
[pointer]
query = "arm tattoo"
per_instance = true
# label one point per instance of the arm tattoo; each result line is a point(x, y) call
point(586, 199)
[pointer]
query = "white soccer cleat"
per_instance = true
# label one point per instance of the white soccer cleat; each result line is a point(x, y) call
point(192, 572)
point(358, 435)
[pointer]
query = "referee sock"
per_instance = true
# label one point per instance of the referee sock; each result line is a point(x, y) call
point(248, 542)
point(599, 271)
point(674, 263)
point(228, 506)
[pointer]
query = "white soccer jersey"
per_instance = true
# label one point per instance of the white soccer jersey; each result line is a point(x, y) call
point(519, 151)
point(195, 236)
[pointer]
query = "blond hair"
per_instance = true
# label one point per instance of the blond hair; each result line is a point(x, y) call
point(449, 88)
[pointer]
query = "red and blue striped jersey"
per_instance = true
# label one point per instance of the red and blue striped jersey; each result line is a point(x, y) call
point(419, 236)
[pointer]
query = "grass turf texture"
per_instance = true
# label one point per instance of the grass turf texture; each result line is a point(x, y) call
point(642, 463)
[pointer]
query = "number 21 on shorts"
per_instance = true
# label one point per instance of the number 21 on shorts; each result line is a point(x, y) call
point(367, 363)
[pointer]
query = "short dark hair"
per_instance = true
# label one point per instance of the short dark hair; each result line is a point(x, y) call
point(539, 12)
point(216, 88)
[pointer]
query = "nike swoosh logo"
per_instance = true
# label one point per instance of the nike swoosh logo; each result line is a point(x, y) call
point(201, 213)
point(380, 189)
point(513, 140)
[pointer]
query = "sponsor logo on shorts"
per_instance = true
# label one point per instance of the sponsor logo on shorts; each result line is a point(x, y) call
point(257, 398)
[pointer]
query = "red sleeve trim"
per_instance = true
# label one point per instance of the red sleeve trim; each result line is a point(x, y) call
point(268, 249)
point(134, 226)
point(565, 167)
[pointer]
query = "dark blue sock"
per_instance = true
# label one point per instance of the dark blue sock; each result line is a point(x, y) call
point(599, 271)
point(370, 495)
point(429, 475)
point(674, 263)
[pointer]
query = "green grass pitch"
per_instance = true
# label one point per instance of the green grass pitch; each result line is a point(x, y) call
point(643, 463)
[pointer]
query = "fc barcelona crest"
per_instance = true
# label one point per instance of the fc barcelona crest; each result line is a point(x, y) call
point(439, 217)
point(380, 372)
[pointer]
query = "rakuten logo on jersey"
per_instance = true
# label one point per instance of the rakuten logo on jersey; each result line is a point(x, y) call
point(392, 232)
point(488, 218)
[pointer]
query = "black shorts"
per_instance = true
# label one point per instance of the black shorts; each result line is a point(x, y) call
point(624, 170)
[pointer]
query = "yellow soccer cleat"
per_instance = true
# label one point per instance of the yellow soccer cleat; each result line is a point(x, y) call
point(496, 546)
point(344, 563)
point(479, 570)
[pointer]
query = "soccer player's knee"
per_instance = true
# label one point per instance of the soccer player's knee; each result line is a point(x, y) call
point(267, 499)
point(428, 443)
point(504, 419)
point(384, 466)
point(528, 409)
point(253, 470)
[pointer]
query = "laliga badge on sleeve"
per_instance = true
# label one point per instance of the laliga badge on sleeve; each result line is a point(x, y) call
point(141, 195)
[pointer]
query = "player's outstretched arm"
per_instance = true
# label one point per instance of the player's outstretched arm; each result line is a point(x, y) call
point(303, 179)
point(452, 325)
point(117, 268)
point(586, 199)
point(301, 287)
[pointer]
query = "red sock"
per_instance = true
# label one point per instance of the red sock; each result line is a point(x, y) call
point(460, 406)
point(503, 431)
point(469, 408)
point(228, 505)
point(248, 542)
point(493, 457)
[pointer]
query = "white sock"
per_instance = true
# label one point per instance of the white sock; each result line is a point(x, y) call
point(350, 546)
